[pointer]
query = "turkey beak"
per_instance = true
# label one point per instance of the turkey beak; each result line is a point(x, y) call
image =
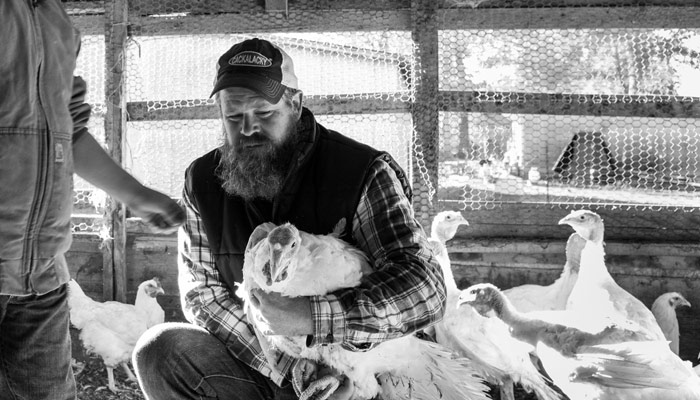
point(465, 298)
point(154, 291)
point(276, 268)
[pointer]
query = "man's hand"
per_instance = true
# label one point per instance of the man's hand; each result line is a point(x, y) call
point(344, 391)
point(288, 316)
point(161, 212)
point(314, 381)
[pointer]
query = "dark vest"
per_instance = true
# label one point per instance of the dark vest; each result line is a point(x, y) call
point(317, 194)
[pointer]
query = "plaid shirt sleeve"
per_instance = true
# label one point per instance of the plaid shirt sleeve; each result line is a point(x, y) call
point(207, 301)
point(406, 291)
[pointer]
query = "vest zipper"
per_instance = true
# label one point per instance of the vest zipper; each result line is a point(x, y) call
point(37, 208)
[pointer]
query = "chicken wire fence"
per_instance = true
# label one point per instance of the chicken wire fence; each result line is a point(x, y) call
point(492, 107)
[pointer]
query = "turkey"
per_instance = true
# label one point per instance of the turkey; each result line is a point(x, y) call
point(586, 359)
point(496, 356)
point(531, 297)
point(294, 263)
point(110, 329)
point(664, 310)
point(443, 228)
point(595, 292)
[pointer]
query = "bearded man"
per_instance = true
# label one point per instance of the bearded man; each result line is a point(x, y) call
point(278, 164)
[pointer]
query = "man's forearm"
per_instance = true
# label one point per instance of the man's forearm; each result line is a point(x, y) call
point(94, 165)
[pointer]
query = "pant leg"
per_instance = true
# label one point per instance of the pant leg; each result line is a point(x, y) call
point(35, 347)
point(177, 361)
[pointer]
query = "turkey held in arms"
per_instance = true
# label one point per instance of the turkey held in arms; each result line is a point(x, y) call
point(294, 263)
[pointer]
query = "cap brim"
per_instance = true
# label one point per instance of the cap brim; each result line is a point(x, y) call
point(269, 89)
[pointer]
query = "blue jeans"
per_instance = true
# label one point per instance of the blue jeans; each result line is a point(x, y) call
point(35, 347)
point(177, 361)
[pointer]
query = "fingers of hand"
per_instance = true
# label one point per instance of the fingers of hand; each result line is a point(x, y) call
point(175, 215)
point(309, 369)
point(159, 224)
point(165, 218)
point(345, 390)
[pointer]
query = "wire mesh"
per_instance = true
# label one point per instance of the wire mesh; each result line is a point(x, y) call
point(494, 107)
point(554, 118)
point(89, 204)
point(328, 66)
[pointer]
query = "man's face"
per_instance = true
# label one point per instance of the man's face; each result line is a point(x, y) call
point(260, 140)
point(251, 122)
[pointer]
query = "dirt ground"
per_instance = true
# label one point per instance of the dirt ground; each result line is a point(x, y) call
point(92, 383)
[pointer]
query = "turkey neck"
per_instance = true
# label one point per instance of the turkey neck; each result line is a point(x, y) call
point(522, 327)
point(443, 233)
point(668, 322)
point(450, 283)
point(593, 263)
point(593, 258)
point(574, 246)
point(143, 300)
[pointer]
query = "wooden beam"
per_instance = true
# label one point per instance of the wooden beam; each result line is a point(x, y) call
point(650, 106)
point(345, 20)
point(213, 7)
point(82, 8)
point(115, 123)
point(539, 221)
point(296, 21)
point(277, 6)
point(379, 103)
point(425, 111)
point(571, 18)
point(558, 3)
point(92, 24)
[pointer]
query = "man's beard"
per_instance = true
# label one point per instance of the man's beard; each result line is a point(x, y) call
point(257, 173)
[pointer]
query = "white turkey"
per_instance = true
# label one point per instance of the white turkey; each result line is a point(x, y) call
point(496, 356)
point(110, 329)
point(531, 297)
point(595, 292)
point(295, 263)
point(605, 360)
point(664, 310)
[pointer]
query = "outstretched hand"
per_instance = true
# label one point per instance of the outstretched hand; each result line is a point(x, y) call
point(161, 212)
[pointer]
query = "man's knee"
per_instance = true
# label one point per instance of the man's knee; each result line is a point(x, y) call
point(162, 341)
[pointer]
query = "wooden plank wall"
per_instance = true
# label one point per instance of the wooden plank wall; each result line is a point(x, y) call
point(645, 270)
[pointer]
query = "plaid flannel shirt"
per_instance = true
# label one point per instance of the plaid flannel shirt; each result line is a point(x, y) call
point(404, 293)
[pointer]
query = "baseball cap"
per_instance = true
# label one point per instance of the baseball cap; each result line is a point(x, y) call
point(258, 65)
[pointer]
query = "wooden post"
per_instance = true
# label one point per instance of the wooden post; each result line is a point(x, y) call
point(425, 109)
point(277, 5)
point(114, 261)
